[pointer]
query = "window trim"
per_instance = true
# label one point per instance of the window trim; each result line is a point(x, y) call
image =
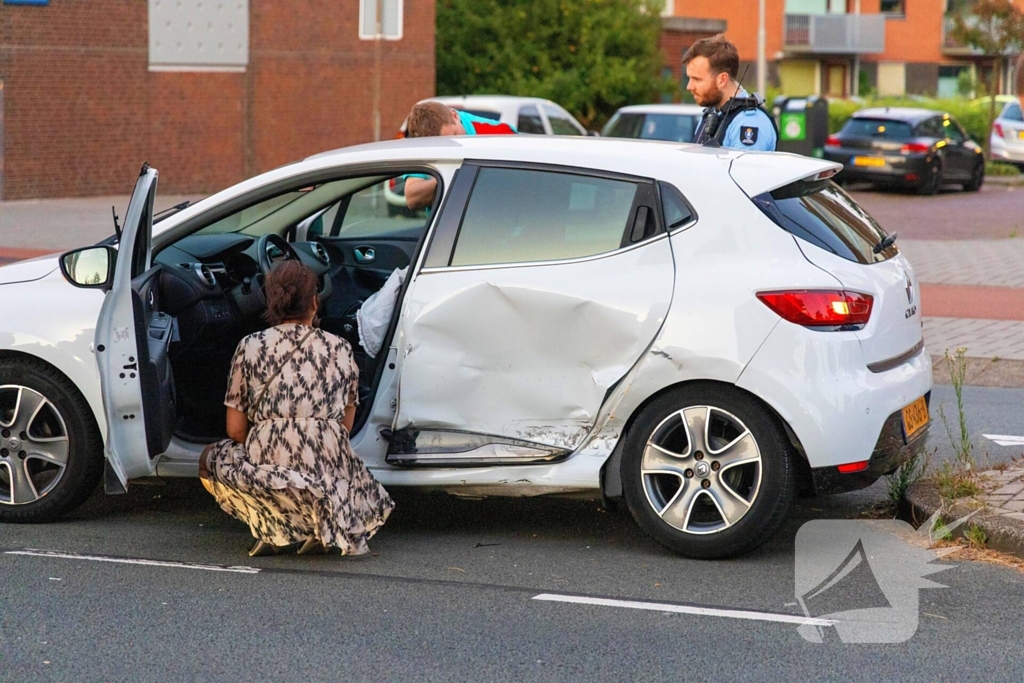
point(444, 238)
point(661, 202)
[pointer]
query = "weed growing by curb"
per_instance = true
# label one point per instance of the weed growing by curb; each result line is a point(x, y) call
point(976, 536)
point(906, 476)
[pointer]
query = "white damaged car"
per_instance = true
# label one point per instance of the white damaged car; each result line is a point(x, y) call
point(700, 332)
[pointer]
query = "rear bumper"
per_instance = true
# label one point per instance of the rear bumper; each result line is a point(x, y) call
point(891, 450)
point(1001, 151)
point(894, 171)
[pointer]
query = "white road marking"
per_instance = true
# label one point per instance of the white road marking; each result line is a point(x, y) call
point(128, 560)
point(1005, 440)
point(687, 609)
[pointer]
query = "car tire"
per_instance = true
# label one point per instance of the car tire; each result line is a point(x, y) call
point(932, 182)
point(38, 402)
point(977, 178)
point(676, 501)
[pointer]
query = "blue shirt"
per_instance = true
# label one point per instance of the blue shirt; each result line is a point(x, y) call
point(751, 130)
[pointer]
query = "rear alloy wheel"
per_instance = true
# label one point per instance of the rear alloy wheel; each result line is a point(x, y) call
point(977, 178)
point(708, 472)
point(50, 451)
point(932, 180)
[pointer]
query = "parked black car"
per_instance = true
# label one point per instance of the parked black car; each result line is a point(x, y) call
point(913, 148)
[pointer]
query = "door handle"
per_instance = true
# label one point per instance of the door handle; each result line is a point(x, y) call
point(364, 254)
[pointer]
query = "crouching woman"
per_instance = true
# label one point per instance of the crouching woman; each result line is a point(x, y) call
point(288, 470)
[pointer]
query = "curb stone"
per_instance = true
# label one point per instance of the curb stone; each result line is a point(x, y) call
point(1005, 179)
point(1004, 534)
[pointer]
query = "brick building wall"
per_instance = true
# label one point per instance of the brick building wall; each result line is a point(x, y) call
point(82, 110)
point(678, 34)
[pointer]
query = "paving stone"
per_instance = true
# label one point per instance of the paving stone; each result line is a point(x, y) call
point(995, 263)
point(1016, 515)
point(1012, 489)
point(1014, 505)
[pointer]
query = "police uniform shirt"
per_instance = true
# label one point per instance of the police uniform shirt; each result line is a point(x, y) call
point(750, 130)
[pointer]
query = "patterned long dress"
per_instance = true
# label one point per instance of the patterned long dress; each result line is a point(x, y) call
point(296, 477)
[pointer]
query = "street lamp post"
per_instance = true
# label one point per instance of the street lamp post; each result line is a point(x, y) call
point(762, 62)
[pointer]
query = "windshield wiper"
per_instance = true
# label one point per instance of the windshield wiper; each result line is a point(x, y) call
point(886, 242)
point(173, 210)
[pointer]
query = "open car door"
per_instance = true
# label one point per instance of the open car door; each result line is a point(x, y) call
point(132, 337)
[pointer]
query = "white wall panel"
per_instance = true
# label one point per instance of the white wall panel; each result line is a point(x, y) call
point(197, 35)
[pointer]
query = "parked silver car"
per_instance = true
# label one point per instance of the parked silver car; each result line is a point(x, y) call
point(1007, 139)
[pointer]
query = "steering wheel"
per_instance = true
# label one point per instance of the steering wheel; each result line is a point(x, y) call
point(265, 243)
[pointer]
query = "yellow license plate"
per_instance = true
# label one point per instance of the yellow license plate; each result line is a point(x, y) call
point(915, 417)
point(1020, 134)
point(868, 161)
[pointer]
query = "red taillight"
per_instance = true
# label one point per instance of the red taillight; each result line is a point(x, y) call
point(392, 183)
point(833, 141)
point(817, 308)
point(851, 467)
point(997, 128)
point(914, 148)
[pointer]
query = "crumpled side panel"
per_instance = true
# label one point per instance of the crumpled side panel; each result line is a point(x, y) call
point(529, 352)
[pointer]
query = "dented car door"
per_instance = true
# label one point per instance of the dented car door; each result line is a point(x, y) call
point(541, 288)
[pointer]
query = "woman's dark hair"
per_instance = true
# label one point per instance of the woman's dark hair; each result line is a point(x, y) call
point(289, 289)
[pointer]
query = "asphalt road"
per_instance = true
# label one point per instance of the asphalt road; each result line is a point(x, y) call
point(450, 594)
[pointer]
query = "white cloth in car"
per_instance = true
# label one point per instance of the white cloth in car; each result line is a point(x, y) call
point(374, 315)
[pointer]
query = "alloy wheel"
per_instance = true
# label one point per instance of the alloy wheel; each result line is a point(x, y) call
point(701, 470)
point(34, 445)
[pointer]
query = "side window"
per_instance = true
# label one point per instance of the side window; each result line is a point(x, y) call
point(376, 211)
point(952, 130)
point(561, 122)
point(519, 215)
point(677, 210)
point(529, 121)
point(931, 128)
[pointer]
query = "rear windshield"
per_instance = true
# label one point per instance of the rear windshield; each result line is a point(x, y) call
point(824, 215)
point(670, 127)
point(1012, 113)
point(877, 128)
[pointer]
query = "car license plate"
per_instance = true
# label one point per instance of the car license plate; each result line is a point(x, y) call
point(915, 417)
point(1020, 134)
point(868, 161)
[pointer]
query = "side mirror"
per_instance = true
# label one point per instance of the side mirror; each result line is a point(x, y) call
point(89, 267)
point(593, 133)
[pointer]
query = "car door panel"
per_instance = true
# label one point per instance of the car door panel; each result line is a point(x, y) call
point(131, 347)
point(523, 354)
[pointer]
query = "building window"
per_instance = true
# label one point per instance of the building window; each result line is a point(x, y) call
point(894, 7)
point(380, 19)
point(192, 35)
point(669, 9)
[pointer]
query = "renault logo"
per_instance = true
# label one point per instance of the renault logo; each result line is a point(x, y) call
point(910, 289)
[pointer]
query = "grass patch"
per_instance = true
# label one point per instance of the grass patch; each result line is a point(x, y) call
point(995, 168)
point(903, 478)
point(954, 482)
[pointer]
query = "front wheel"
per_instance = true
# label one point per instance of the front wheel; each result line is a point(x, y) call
point(708, 472)
point(977, 178)
point(51, 453)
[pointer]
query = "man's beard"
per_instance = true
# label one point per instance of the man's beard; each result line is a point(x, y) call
point(711, 97)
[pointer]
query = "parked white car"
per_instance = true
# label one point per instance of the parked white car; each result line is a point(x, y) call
point(700, 332)
point(1007, 140)
point(668, 122)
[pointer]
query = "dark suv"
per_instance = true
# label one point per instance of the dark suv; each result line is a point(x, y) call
point(913, 148)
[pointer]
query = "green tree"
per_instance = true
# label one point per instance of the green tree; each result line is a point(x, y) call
point(994, 28)
point(590, 56)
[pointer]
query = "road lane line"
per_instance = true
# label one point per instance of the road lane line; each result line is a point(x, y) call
point(32, 552)
point(1005, 439)
point(687, 609)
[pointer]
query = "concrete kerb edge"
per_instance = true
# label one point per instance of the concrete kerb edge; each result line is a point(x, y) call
point(1003, 534)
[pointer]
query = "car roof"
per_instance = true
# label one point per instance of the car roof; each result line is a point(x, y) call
point(706, 172)
point(907, 114)
point(682, 109)
point(497, 102)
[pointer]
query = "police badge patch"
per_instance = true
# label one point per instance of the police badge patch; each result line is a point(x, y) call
point(748, 135)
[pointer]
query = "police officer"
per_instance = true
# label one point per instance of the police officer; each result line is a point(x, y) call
point(732, 117)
